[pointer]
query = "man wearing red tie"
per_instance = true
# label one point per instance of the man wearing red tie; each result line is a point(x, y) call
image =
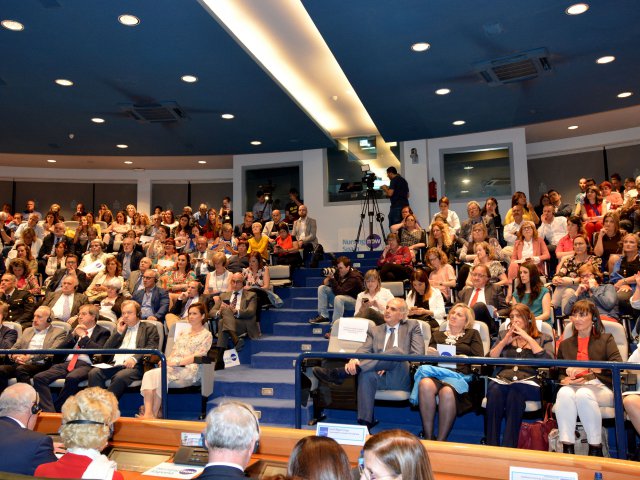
point(76, 367)
point(482, 296)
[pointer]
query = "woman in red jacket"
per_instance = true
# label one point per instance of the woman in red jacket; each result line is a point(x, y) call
point(395, 261)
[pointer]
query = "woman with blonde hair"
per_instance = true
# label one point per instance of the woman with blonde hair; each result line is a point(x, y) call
point(372, 302)
point(528, 246)
point(442, 276)
point(87, 424)
point(440, 237)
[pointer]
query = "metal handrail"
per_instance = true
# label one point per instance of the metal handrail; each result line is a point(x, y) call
point(103, 351)
point(614, 367)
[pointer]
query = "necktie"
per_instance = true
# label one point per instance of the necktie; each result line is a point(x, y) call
point(391, 339)
point(126, 267)
point(66, 308)
point(475, 297)
point(234, 301)
point(74, 360)
point(185, 310)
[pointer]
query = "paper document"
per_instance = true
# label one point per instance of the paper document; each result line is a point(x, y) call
point(173, 470)
point(353, 329)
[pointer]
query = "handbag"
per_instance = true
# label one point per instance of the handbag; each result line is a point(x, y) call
point(535, 435)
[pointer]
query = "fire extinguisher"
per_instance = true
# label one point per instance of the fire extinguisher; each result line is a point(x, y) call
point(433, 190)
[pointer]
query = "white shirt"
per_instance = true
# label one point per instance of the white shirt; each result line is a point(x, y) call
point(58, 308)
point(511, 232)
point(83, 357)
point(395, 335)
point(554, 231)
point(527, 249)
point(436, 303)
point(302, 228)
point(381, 297)
point(481, 298)
point(129, 341)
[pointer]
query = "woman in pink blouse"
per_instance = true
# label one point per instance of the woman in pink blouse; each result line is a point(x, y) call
point(528, 247)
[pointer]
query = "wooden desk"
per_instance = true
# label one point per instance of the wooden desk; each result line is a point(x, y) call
point(449, 460)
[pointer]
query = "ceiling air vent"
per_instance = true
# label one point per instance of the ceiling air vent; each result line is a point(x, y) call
point(163, 112)
point(514, 68)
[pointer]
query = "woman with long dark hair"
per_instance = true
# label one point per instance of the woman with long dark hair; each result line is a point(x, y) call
point(424, 301)
point(531, 292)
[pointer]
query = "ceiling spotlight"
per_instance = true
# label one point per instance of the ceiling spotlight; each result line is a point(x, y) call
point(256, 142)
point(202, 162)
point(443, 91)
point(51, 160)
point(189, 78)
point(605, 59)
point(466, 180)
point(577, 9)
point(128, 162)
point(459, 122)
point(420, 47)
point(625, 94)
point(129, 20)
point(227, 116)
point(97, 120)
point(468, 167)
point(63, 82)
point(572, 127)
point(12, 25)
point(122, 145)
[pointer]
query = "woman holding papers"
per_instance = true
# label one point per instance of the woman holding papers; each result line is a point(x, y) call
point(447, 385)
point(512, 386)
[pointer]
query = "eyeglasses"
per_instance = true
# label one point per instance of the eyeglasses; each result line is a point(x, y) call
point(368, 474)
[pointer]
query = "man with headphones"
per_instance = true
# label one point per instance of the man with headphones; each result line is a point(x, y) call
point(40, 336)
point(22, 448)
point(231, 436)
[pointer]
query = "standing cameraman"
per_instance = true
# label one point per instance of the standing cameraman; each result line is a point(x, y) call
point(398, 193)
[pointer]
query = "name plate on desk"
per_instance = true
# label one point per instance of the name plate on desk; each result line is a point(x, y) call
point(343, 434)
point(522, 473)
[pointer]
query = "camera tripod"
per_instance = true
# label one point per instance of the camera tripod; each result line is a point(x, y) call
point(371, 209)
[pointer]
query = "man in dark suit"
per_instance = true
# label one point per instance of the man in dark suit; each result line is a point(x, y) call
point(70, 268)
point(42, 335)
point(305, 230)
point(8, 336)
point(129, 258)
point(180, 308)
point(135, 279)
point(21, 302)
point(484, 297)
point(153, 300)
point(127, 368)
point(235, 312)
point(67, 295)
point(399, 336)
point(76, 367)
point(22, 449)
point(231, 436)
point(49, 244)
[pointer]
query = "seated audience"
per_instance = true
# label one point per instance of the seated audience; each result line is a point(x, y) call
point(424, 301)
point(245, 226)
point(473, 211)
point(182, 370)
point(593, 210)
point(398, 335)
point(130, 333)
point(452, 217)
point(613, 199)
point(66, 302)
point(442, 275)
point(35, 231)
point(169, 220)
point(485, 255)
point(218, 280)
point(631, 399)
point(176, 280)
point(8, 336)
point(87, 426)
point(211, 228)
point(433, 392)
point(262, 208)
point(129, 257)
point(574, 228)
point(512, 386)
point(603, 296)
point(544, 200)
point(23, 450)
point(116, 230)
point(112, 270)
point(23, 366)
point(167, 260)
point(226, 212)
point(20, 302)
point(585, 390)
point(395, 263)
point(483, 297)
point(608, 244)
point(529, 212)
point(304, 229)
point(70, 269)
point(226, 242)
point(530, 291)
point(292, 206)
point(512, 229)
point(23, 252)
point(258, 242)
point(566, 277)
point(135, 279)
point(271, 227)
point(491, 213)
point(180, 308)
point(199, 259)
point(155, 248)
point(372, 301)
point(412, 236)
point(624, 272)
point(153, 300)
point(404, 213)
point(257, 279)
point(552, 229)
point(111, 304)
point(467, 253)
point(29, 239)
point(528, 247)
point(339, 288)
point(81, 245)
point(240, 260)
point(560, 208)
point(439, 237)
point(395, 454)
point(56, 260)
point(75, 368)
point(25, 279)
point(318, 458)
point(286, 250)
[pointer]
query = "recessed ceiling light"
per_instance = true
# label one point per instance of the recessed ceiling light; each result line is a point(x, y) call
point(227, 116)
point(420, 47)
point(464, 191)
point(469, 167)
point(443, 91)
point(97, 120)
point(459, 122)
point(339, 179)
point(625, 94)
point(13, 25)
point(128, 162)
point(202, 162)
point(51, 160)
point(572, 127)
point(605, 59)
point(466, 180)
point(189, 78)
point(129, 20)
point(122, 145)
point(577, 9)
point(256, 142)
point(63, 82)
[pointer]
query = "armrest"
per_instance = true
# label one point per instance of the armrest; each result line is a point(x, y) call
point(204, 360)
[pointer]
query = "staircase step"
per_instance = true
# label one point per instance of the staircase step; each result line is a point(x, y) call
point(275, 315)
point(294, 292)
point(253, 382)
point(303, 302)
point(271, 411)
point(313, 281)
point(271, 360)
point(290, 344)
point(297, 329)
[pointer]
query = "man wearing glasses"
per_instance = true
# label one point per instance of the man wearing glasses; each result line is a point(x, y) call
point(153, 300)
point(483, 297)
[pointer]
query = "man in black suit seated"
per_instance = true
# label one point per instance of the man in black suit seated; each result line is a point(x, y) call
point(49, 243)
point(127, 368)
point(129, 258)
point(70, 268)
point(21, 302)
point(231, 436)
point(8, 336)
point(484, 297)
point(76, 367)
point(22, 449)
point(153, 300)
